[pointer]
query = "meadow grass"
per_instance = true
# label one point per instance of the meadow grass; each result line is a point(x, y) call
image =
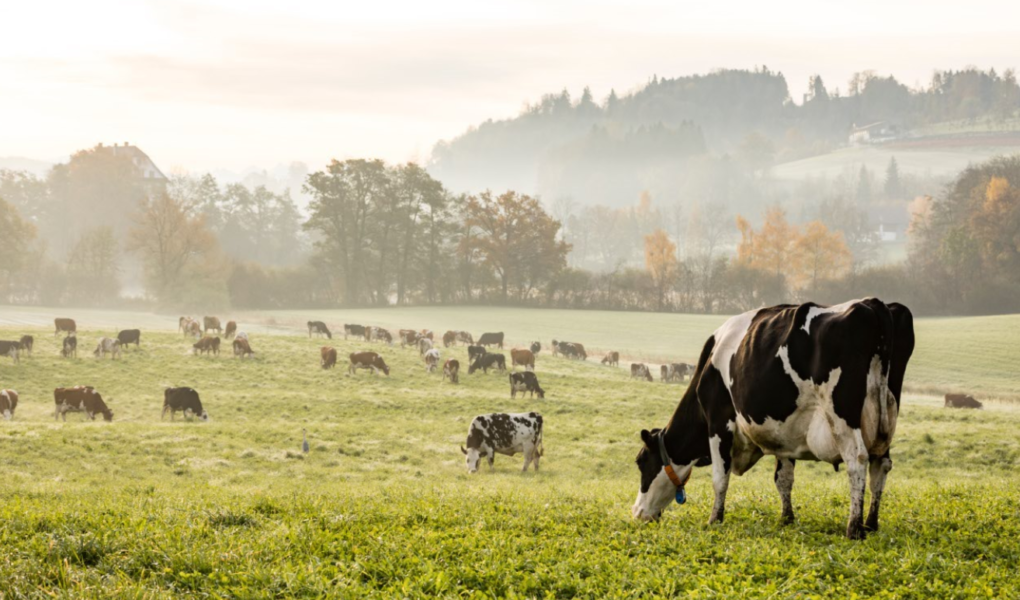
point(382, 506)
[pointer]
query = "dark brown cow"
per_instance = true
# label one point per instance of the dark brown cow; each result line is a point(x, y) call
point(612, 359)
point(242, 348)
point(211, 323)
point(207, 345)
point(368, 360)
point(449, 339)
point(962, 401)
point(82, 398)
point(70, 347)
point(522, 357)
point(67, 325)
point(328, 360)
point(408, 337)
point(27, 342)
point(231, 330)
point(10, 348)
point(640, 370)
point(451, 370)
point(8, 402)
point(130, 336)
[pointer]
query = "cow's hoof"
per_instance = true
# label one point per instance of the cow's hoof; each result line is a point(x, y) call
point(855, 531)
point(787, 518)
point(871, 525)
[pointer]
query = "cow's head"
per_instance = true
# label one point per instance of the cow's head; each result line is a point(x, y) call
point(381, 365)
point(656, 489)
point(107, 414)
point(205, 416)
point(474, 458)
point(541, 392)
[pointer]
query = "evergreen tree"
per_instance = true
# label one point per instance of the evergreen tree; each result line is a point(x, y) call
point(892, 187)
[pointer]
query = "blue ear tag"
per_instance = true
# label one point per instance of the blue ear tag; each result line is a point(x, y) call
point(681, 497)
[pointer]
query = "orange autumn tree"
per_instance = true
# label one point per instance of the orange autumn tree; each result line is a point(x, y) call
point(822, 254)
point(660, 261)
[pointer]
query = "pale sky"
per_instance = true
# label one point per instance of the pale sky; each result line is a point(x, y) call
point(226, 84)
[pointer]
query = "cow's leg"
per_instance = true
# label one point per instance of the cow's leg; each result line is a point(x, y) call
point(855, 455)
point(529, 453)
point(491, 455)
point(784, 483)
point(879, 469)
point(720, 445)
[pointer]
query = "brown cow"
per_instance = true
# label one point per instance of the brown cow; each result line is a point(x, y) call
point(427, 334)
point(27, 342)
point(962, 401)
point(211, 323)
point(449, 339)
point(612, 359)
point(408, 337)
point(368, 360)
point(67, 325)
point(242, 348)
point(231, 330)
point(207, 345)
point(465, 338)
point(8, 402)
point(522, 357)
point(182, 323)
point(82, 398)
point(193, 329)
point(451, 370)
point(328, 360)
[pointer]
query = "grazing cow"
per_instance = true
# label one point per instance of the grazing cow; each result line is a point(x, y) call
point(962, 401)
point(70, 347)
point(382, 335)
point(8, 402)
point(182, 323)
point(504, 433)
point(10, 348)
point(801, 382)
point(465, 338)
point(107, 346)
point(207, 345)
point(555, 348)
point(474, 352)
point(350, 329)
point(676, 372)
point(231, 330)
point(451, 370)
point(211, 323)
point(328, 360)
point(242, 348)
point(522, 357)
point(612, 359)
point(573, 350)
point(27, 342)
point(488, 361)
point(449, 339)
point(242, 335)
point(525, 382)
point(182, 399)
point(427, 334)
point(536, 347)
point(82, 398)
point(319, 328)
point(130, 336)
point(431, 360)
point(491, 339)
point(66, 325)
point(408, 337)
point(193, 329)
point(368, 360)
point(424, 345)
point(640, 370)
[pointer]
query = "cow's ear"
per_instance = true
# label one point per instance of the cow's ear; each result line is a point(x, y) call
point(646, 437)
point(463, 450)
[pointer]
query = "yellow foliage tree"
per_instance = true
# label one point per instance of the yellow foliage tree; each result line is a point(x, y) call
point(660, 260)
point(821, 254)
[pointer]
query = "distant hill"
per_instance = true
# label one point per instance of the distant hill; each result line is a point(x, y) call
point(20, 163)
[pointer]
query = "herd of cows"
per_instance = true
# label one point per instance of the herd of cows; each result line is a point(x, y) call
point(798, 382)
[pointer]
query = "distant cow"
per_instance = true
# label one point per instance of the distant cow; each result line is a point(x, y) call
point(573, 350)
point(70, 347)
point(451, 370)
point(130, 336)
point(231, 330)
point(408, 337)
point(368, 360)
point(66, 325)
point(211, 323)
point(449, 339)
point(207, 345)
point(491, 339)
point(107, 346)
point(328, 360)
point(424, 345)
point(27, 342)
point(962, 401)
point(431, 360)
point(351, 329)
point(465, 338)
point(474, 352)
point(8, 402)
point(525, 382)
point(612, 359)
point(241, 335)
point(10, 348)
point(182, 323)
point(82, 398)
point(427, 333)
point(536, 347)
point(488, 361)
point(522, 357)
point(676, 371)
point(242, 349)
point(193, 329)
point(506, 434)
point(183, 399)
point(640, 370)
point(382, 335)
point(319, 328)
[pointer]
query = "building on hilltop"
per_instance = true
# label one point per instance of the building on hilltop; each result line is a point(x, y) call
point(878, 132)
point(150, 173)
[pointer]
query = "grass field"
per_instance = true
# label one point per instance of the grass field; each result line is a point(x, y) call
point(382, 506)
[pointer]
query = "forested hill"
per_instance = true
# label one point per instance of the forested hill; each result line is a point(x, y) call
point(673, 131)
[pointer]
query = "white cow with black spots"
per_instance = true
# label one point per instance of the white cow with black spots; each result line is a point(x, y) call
point(506, 434)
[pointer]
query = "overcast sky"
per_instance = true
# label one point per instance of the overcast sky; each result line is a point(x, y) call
point(214, 84)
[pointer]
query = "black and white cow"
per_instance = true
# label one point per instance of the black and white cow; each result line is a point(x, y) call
point(801, 382)
point(506, 434)
point(488, 361)
point(525, 382)
point(183, 399)
point(355, 330)
point(10, 348)
point(474, 352)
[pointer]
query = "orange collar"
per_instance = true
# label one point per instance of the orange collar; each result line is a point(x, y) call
point(667, 465)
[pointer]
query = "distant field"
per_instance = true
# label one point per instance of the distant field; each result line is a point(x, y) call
point(979, 355)
point(382, 506)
